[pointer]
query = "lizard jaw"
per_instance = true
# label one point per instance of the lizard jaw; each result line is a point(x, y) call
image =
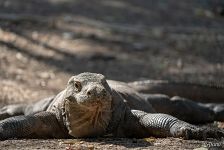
point(87, 120)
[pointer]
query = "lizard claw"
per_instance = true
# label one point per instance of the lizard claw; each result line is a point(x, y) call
point(192, 132)
point(199, 133)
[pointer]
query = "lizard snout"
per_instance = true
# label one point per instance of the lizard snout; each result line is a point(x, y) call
point(96, 91)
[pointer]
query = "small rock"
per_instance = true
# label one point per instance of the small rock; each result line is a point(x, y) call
point(90, 147)
point(67, 35)
point(111, 145)
point(69, 147)
point(42, 83)
point(20, 57)
point(150, 140)
point(155, 144)
point(35, 35)
point(47, 75)
point(19, 71)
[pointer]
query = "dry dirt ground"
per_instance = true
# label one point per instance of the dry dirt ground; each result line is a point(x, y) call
point(44, 42)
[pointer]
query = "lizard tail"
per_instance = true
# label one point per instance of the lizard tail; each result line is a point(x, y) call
point(206, 93)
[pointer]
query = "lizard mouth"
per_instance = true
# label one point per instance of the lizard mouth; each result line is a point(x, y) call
point(87, 119)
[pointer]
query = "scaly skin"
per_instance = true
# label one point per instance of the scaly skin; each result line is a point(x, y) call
point(90, 106)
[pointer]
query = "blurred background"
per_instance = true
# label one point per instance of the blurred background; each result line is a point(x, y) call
point(44, 42)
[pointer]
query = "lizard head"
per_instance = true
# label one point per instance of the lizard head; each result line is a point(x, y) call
point(87, 104)
point(88, 89)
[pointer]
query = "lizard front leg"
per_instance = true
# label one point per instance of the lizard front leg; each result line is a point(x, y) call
point(40, 125)
point(144, 124)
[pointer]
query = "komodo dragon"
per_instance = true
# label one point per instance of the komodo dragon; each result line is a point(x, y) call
point(91, 106)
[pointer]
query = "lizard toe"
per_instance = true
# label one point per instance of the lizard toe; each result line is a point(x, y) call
point(193, 132)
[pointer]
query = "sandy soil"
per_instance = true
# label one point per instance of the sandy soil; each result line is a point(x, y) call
point(44, 42)
point(104, 143)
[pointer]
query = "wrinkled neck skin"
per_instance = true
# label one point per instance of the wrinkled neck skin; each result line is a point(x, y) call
point(85, 120)
point(119, 108)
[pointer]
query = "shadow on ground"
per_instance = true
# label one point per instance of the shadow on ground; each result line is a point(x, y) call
point(151, 36)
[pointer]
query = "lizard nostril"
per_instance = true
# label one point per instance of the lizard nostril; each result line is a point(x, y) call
point(89, 93)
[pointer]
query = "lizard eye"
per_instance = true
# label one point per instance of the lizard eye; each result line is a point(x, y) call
point(77, 85)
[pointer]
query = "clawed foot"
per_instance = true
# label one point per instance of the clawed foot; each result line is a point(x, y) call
point(187, 131)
